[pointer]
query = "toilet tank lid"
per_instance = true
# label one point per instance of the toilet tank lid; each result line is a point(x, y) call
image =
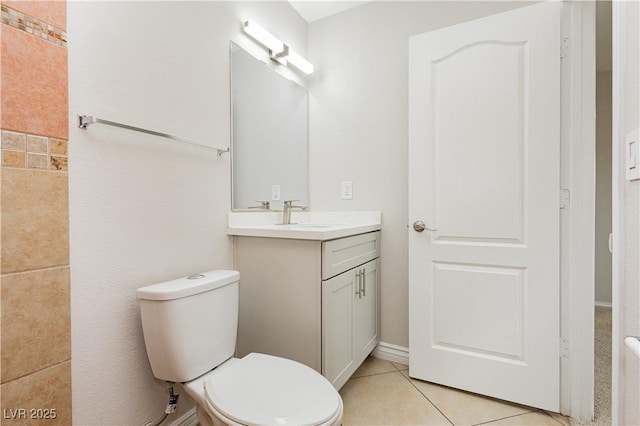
point(188, 286)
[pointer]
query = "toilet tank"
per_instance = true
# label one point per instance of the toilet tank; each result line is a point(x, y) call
point(190, 324)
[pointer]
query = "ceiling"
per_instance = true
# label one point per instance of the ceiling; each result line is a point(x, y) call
point(318, 9)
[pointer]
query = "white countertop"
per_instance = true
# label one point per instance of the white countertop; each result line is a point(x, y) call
point(320, 226)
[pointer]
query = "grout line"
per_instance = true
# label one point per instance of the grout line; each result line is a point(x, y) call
point(510, 417)
point(371, 375)
point(408, 379)
point(545, 412)
point(35, 169)
point(537, 410)
point(404, 369)
point(48, 367)
point(48, 268)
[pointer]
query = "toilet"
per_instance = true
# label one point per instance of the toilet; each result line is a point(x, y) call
point(190, 327)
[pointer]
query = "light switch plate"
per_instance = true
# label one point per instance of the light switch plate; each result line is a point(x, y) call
point(347, 190)
point(632, 151)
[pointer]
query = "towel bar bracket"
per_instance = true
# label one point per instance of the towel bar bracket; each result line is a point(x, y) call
point(85, 120)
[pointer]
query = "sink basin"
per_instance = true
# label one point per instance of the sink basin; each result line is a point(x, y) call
point(318, 226)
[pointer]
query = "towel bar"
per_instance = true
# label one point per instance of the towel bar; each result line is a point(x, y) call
point(85, 121)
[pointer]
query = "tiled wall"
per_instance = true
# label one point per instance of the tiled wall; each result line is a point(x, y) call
point(34, 200)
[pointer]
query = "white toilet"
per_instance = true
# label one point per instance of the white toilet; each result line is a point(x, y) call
point(190, 326)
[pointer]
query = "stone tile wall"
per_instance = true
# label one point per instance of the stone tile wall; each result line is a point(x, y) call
point(35, 346)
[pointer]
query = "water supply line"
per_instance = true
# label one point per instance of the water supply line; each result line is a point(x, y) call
point(172, 404)
point(158, 421)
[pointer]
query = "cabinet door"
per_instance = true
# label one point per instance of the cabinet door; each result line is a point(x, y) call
point(338, 295)
point(365, 317)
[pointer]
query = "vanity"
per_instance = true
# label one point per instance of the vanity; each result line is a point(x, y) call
point(309, 291)
point(309, 288)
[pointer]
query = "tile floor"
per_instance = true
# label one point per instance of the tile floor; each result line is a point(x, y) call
point(381, 393)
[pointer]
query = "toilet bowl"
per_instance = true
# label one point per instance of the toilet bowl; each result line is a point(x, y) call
point(190, 327)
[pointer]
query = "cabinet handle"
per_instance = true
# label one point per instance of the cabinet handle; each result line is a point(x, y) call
point(364, 282)
point(359, 283)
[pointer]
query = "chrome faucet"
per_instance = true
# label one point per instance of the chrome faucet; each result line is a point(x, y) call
point(264, 205)
point(286, 213)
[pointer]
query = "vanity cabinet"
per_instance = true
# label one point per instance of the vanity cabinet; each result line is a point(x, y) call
point(315, 302)
point(349, 304)
point(349, 317)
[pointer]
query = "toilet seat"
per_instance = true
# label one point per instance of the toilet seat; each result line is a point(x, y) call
point(266, 390)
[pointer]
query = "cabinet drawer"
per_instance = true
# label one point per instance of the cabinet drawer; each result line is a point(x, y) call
point(345, 253)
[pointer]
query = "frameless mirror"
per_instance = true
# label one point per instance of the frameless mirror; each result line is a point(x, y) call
point(269, 135)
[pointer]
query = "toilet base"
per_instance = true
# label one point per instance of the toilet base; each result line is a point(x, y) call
point(207, 419)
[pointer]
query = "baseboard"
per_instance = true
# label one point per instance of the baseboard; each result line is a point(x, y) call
point(190, 418)
point(603, 304)
point(390, 352)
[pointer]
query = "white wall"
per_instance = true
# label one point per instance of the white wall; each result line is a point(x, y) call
point(143, 209)
point(603, 189)
point(358, 123)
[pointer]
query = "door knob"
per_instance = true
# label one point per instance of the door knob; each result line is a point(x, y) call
point(419, 226)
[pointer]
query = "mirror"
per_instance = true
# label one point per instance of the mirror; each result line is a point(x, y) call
point(269, 135)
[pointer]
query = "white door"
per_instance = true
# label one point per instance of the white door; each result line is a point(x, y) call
point(484, 146)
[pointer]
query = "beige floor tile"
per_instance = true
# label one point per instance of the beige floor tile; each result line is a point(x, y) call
point(537, 418)
point(464, 408)
point(372, 366)
point(386, 399)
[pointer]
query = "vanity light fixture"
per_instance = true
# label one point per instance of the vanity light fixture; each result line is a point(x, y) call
point(278, 51)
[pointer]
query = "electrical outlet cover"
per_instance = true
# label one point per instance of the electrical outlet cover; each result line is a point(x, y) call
point(275, 192)
point(347, 190)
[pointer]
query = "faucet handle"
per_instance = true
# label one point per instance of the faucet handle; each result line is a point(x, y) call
point(264, 205)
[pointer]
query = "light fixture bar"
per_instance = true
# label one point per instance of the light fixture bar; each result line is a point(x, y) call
point(278, 51)
point(264, 37)
point(299, 62)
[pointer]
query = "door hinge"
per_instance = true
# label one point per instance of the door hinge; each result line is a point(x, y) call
point(564, 47)
point(564, 348)
point(565, 198)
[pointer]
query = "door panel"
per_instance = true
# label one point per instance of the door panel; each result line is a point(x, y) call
point(484, 143)
point(498, 80)
point(492, 296)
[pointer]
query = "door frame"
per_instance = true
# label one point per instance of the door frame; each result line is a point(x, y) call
point(619, 44)
point(577, 219)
